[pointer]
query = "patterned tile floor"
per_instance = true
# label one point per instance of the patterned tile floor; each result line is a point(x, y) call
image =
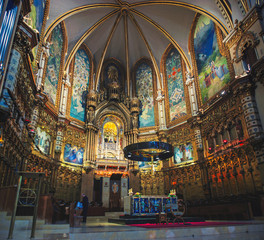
point(99, 228)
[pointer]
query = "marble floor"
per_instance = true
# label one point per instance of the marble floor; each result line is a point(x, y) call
point(99, 228)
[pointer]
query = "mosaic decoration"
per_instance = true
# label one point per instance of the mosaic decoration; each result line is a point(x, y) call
point(112, 74)
point(53, 65)
point(11, 77)
point(80, 85)
point(144, 202)
point(136, 206)
point(183, 153)
point(175, 85)
point(42, 141)
point(144, 90)
point(35, 19)
point(211, 64)
point(73, 154)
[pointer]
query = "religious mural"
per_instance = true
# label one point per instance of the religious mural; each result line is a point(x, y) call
point(53, 65)
point(35, 19)
point(73, 154)
point(183, 153)
point(144, 90)
point(211, 64)
point(80, 85)
point(175, 85)
point(148, 166)
point(42, 141)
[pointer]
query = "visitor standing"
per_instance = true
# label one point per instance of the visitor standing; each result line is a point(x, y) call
point(85, 207)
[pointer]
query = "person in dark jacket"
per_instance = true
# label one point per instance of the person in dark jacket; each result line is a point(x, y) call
point(85, 207)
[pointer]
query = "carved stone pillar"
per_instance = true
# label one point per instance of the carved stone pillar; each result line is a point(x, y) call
point(59, 138)
point(44, 54)
point(34, 118)
point(161, 110)
point(134, 109)
point(192, 93)
point(251, 114)
point(90, 157)
point(64, 95)
point(253, 123)
point(91, 130)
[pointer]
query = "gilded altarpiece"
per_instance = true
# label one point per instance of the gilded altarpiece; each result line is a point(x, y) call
point(111, 139)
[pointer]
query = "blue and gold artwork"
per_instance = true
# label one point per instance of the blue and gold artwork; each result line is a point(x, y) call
point(73, 154)
point(53, 65)
point(211, 64)
point(144, 89)
point(11, 78)
point(80, 85)
point(136, 206)
point(42, 141)
point(175, 85)
point(144, 202)
point(183, 153)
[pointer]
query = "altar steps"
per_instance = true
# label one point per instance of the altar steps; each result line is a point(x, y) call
point(128, 219)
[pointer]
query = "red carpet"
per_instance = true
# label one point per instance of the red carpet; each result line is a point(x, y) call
point(188, 224)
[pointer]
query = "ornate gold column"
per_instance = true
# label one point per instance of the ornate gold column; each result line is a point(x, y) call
point(91, 130)
point(134, 109)
point(59, 138)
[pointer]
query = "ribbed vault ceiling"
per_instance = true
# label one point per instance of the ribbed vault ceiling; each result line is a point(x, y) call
point(146, 27)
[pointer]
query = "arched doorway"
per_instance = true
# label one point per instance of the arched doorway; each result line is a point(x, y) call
point(115, 193)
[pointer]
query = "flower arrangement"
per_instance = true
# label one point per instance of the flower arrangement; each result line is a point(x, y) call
point(172, 193)
point(137, 194)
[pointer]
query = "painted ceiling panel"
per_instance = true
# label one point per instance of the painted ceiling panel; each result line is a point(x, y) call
point(137, 47)
point(59, 7)
point(77, 25)
point(208, 5)
point(156, 40)
point(175, 18)
point(177, 21)
point(116, 47)
point(97, 40)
